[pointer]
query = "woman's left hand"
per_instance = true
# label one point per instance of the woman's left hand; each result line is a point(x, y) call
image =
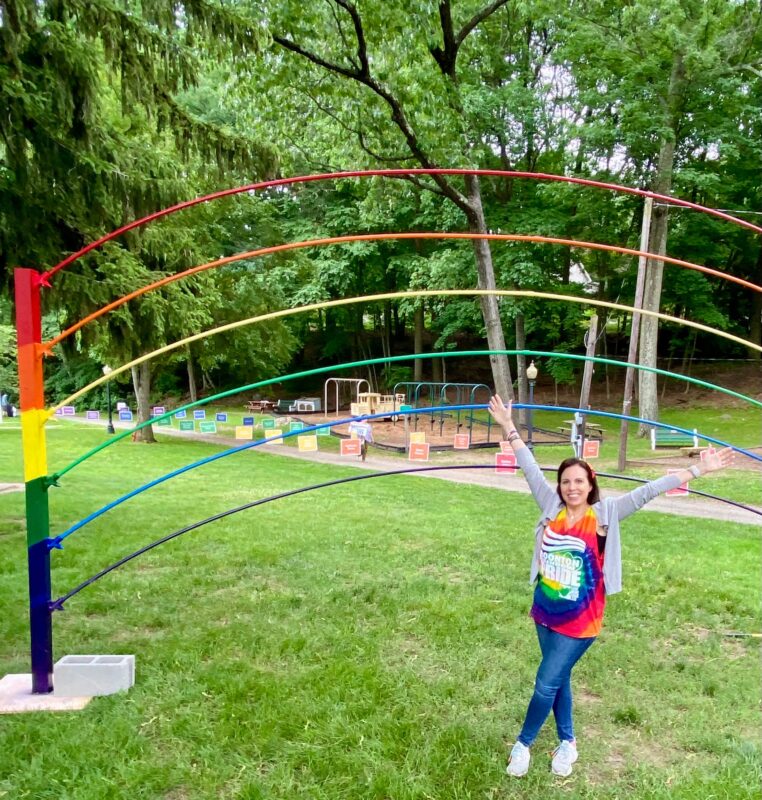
point(718, 460)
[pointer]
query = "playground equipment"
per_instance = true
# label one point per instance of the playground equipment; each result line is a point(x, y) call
point(387, 405)
point(353, 383)
point(465, 394)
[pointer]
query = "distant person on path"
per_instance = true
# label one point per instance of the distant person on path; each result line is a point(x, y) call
point(5, 404)
point(364, 432)
point(577, 562)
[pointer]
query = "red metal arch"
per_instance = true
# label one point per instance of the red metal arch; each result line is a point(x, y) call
point(44, 279)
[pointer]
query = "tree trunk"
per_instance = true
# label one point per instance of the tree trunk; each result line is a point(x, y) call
point(387, 332)
point(521, 367)
point(418, 342)
point(191, 367)
point(755, 326)
point(501, 370)
point(141, 381)
point(436, 370)
point(648, 404)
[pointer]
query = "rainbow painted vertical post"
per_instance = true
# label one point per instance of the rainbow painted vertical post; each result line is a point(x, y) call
point(33, 418)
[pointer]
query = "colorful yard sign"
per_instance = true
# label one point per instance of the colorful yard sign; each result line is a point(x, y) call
point(505, 447)
point(187, 425)
point(199, 413)
point(69, 411)
point(244, 432)
point(164, 421)
point(93, 415)
point(59, 412)
point(307, 443)
point(157, 411)
point(121, 405)
point(296, 426)
point(419, 451)
point(709, 451)
point(125, 415)
point(505, 463)
point(268, 423)
point(418, 437)
point(590, 448)
point(681, 490)
point(207, 427)
point(275, 436)
point(248, 421)
point(221, 416)
point(351, 447)
point(180, 414)
point(405, 407)
point(325, 431)
point(461, 441)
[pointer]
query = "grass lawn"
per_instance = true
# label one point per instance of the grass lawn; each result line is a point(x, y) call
point(365, 641)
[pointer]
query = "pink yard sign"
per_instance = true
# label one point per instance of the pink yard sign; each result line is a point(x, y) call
point(419, 451)
point(590, 448)
point(461, 441)
point(710, 451)
point(351, 447)
point(505, 463)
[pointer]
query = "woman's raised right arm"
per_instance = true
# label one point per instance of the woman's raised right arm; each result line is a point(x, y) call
point(543, 492)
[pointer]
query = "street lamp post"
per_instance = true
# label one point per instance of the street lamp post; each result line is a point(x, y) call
point(110, 427)
point(531, 377)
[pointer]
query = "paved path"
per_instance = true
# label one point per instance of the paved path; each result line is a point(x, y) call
point(684, 506)
point(376, 462)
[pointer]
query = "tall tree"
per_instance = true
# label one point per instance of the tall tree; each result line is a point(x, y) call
point(655, 64)
point(93, 136)
point(414, 77)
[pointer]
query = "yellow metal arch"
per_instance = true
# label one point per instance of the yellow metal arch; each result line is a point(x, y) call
point(372, 298)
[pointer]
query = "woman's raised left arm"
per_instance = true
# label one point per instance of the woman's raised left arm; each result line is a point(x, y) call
point(631, 502)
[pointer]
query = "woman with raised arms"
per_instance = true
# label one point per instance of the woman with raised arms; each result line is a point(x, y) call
point(577, 562)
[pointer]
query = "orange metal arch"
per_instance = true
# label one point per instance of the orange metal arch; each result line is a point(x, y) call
point(374, 237)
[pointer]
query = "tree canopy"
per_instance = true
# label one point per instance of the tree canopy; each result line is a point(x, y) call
point(116, 109)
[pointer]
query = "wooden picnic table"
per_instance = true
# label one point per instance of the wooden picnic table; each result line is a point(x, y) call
point(591, 428)
point(260, 405)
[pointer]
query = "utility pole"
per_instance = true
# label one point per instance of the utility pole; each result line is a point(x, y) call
point(587, 379)
point(632, 354)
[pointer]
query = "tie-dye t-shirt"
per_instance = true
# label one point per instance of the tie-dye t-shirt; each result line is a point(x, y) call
point(569, 596)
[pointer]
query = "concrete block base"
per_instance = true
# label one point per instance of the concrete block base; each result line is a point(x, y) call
point(16, 697)
point(90, 676)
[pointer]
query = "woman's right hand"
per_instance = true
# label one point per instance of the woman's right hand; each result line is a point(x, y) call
point(501, 413)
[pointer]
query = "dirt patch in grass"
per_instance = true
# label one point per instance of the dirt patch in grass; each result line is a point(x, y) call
point(585, 696)
point(620, 751)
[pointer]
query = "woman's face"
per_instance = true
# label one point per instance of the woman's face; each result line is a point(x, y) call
point(575, 486)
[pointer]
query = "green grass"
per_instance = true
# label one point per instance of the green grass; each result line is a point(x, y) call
point(365, 641)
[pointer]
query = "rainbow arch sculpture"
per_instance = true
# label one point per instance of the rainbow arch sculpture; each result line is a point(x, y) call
point(31, 350)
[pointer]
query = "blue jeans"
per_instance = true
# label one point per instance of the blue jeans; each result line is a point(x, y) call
point(552, 687)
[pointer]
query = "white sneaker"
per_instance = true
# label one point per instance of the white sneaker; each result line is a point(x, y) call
point(519, 762)
point(563, 758)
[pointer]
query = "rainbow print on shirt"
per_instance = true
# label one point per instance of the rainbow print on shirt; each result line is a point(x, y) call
point(569, 596)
